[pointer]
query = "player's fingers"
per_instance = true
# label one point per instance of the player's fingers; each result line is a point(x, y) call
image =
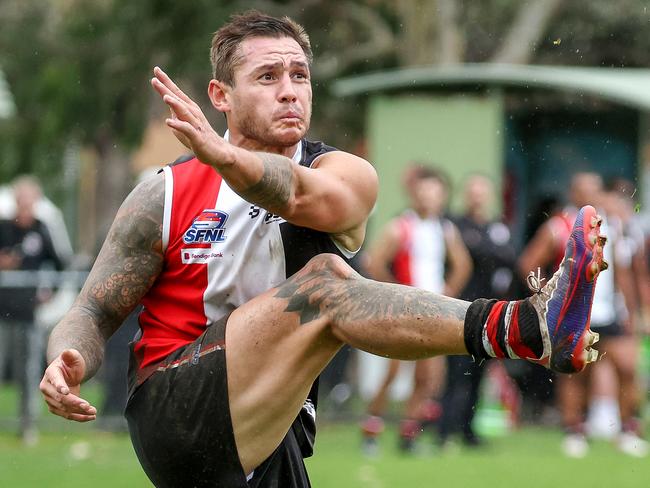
point(164, 79)
point(185, 128)
point(183, 139)
point(68, 410)
point(77, 417)
point(53, 379)
point(74, 404)
point(81, 417)
point(182, 110)
point(68, 400)
point(178, 104)
point(161, 88)
point(49, 391)
point(53, 403)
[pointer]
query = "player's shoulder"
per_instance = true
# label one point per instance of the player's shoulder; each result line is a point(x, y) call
point(560, 222)
point(147, 197)
point(151, 184)
point(401, 225)
point(448, 223)
point(314, 149)
point(317, 152)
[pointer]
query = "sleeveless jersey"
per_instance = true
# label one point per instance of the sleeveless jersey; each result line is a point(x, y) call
point(219, 252)
point(420, 259)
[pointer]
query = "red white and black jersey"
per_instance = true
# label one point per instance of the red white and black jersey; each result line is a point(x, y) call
point(420, 258)
point(219, 252)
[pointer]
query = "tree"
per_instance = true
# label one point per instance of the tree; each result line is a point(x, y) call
point(83, 76)
point(79, 69)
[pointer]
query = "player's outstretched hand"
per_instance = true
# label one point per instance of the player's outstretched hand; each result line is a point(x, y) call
point(188, 123)
point(60, 387)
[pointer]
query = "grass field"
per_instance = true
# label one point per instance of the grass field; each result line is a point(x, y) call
point(528, 458)
point(72, 455)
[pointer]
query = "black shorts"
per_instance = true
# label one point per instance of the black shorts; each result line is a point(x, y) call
point(180, 425)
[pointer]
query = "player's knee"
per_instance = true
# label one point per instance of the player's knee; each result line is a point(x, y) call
point(330, 272)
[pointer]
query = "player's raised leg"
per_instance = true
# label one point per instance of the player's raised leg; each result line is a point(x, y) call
point(277, 344)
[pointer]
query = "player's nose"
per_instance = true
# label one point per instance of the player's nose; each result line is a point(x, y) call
point(287, 90)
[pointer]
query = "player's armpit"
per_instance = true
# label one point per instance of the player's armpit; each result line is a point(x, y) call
point(129, 262)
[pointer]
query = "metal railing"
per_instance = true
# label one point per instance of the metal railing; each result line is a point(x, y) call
point(30, 340)
point(40, 278)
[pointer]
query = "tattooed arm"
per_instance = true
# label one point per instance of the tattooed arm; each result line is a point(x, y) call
point(335, 196)
point(128, 263)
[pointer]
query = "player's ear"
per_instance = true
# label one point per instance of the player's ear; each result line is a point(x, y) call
point(219, 94)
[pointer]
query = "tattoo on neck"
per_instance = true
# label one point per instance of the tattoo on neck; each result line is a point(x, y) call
point(273, 191)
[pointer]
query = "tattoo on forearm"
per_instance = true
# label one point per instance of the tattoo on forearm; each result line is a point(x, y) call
point(128, 264)
point(354, 298)
point(273, 191)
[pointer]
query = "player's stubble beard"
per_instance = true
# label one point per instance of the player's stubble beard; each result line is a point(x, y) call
point(253, 128)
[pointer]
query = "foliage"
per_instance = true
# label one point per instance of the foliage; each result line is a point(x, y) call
point(79, 69)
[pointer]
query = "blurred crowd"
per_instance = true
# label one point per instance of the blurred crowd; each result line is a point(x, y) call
point(470, 255)
point(40, 277)
point(466, 255)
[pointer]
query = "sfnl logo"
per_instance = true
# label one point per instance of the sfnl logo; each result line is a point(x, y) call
point(209, 227)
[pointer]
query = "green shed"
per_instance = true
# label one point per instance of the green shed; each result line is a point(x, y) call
point(527, 127)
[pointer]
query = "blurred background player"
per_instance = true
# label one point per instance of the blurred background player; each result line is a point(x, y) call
point(493, 258)
point(632, 300)
point(609, 318)
point(25, 245)
point(419, 248)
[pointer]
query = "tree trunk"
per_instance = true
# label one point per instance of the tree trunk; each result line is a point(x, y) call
point(379, 41)
point(113, 183)
point(450, 38)
point(417, 43)
point(525, 32)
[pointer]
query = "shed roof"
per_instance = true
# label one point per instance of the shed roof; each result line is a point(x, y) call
point(628, 86)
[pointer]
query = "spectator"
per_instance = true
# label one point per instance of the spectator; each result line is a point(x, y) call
point(25, 245)
point(609, 318)
point(413, 249)
point(493, 258)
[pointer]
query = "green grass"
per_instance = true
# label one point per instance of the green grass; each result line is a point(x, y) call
point(528, 458)
point(69, 460)
point(70, 455)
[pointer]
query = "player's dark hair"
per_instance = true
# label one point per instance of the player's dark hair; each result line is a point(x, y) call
point(423, 171)
point(225, 54)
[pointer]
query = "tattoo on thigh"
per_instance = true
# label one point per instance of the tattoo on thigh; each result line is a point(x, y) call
point(355, 298)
